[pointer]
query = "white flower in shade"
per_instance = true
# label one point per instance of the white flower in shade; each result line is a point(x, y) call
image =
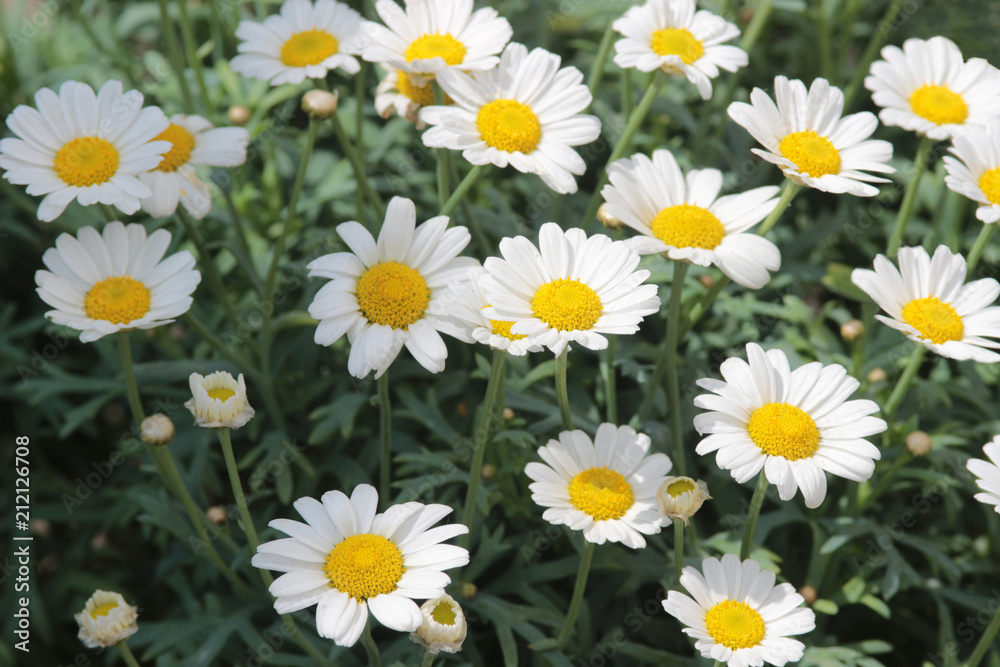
point(525, 113)
point(405, 94)
point(793, 424)
point(431, 36)
point(670, 35)
point(78, 145)
point(444, 627)
point(193, 141)
point(926, 87)
point(681, 497)
point(605, 487)
point(347, 560)
point(106, 620)
point(738, 616)
point(988, 474)
point(304, 40)
point(975, 169)
point(929, 301)
point(686, 219)
point(806, 135)
point(572, 291)
point(219, 401)
point(382, 295)
point(101, 284)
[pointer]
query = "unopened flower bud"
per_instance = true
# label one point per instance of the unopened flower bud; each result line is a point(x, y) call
point(444, 626)
point(238, 115)
point(157, 429)
point(469, 590)
point(106, 620)
point(681, 497)
point(877, 375)
point(706, 281)
point(608, 220)
point(462, 408)
point(489, 471)
point(216, 514)
point(809, 594)
point(852, 330)
point(918, 443)
point(320, 104)
point(508, 414)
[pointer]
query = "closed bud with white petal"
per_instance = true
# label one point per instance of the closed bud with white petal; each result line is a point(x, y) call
point(219, 400)
point(106, 620)
point(444, 627)
point(157, 429)
point(681, 497)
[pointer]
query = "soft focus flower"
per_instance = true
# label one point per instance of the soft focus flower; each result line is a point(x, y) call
point(106, 620)
point(681, 497)
point(443, 628)
point(347, 560)
point(320, 104)
point(101, 284)
point(157, 429)
point(406, 94)
point(988, 474)
point(975, 169)
point(918, 443)
point(219, 400)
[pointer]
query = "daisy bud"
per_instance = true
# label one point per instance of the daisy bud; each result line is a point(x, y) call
point(605, 218)
point(808, 594)
point(216, 514)
point(877, 375)
point(157, 429)
point(219, 401)
point(489, 471)
point(681, 497)
point(852, 330)
point(508, 414)
point(320, 104)
point(469, 590)
point(444, 626)
point(706, 281)
point(918, 443)
point(238, 115)
point(106, 620)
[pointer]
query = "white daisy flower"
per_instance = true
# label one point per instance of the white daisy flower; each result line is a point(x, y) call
point(680, 498)
point(193, 141)
point(605, 487)
point(347, 560)
point(687, 220)
point(988, 474)
point(793, 424)
point(806, 136)
point(101, 284)
point(444, 627)
point(406, 94)
point(926, 87)
point(670, 35)
point(432, 36)
point(106, 620)
point(738, 616)
point(574, 290)
point(525, 113)
point(975, 169)
point(78, 145)
point(382, 295)
point(929, 301)
point(304, 40)
point(219, 400)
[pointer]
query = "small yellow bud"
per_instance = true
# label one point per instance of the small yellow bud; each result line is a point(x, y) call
point(852, 330)
point(918, 443)
point(468, 590)
point(809, 594)
point(681, 497)
point(320, 104)
point(877, 375)
point(706, 281)
point(489, 471)
point(157, 429)
point(216, 514)
point(508, 414)
point(608, 220)
point(238, 115)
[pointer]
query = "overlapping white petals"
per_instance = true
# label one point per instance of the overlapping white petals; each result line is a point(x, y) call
point(988, 474)
point(977, 153)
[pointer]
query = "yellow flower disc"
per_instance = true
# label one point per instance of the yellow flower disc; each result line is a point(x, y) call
point(503, 329)
point(118, 300)
point(679, 487)
point(780, 429)
point(939, 104)
point(509, 126)
point(422, 95)
point(601, 494)
point(936, 320)
point(735, 625)
point(434, 46)
point(86, 161)
point(444, 613)
point(221, 393)
point(393, 294)
point(688, 226)
point(309, 47)
point(182, 143)
point(103, 610)
point(814, 155)
point(989, 183)
point(677, 42)
point(567, 305)
point(364, 566)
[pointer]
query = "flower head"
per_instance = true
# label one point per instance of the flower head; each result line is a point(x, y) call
point(406, 94)
point(681, 497)
point(219, 401)
point(975, 169)
point(988, 474)
point(106, 620)
point(157, 429)
point(444, 627)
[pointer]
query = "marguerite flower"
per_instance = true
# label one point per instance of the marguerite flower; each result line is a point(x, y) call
point(738, 616)
point(104, 284)
point(605, 487)
point(304, 40)
point(680, 498)
point(793, 424)
point(405, 94)
point(431, 36)
point(988, 474)
point(525, 113)
point(975, 169)
point(670, 35)
point(574, 290)
point(78, 145)
point(219, 400)
point(926, 87)
point(927, 300)
point(193, 141)
point(444, 627)
point(688, 221)
point(106, 620)
point(806, 136)
point(382, 295)
point(347, 560)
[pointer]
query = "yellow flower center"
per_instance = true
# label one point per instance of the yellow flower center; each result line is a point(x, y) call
point(735, 625)
point(103, 610)
point(86, 161)
point(780, 429)
point(221, 393)
point(422, 95)
point(117, 300)
point(364, 566)
point(567, 305)
point(503, 329)
point(688, 226)
point(444, 613)
point(182, 143)
point(309, 47)
point(434, 46)
point(814, 155)
point(989, 183)
point(677, 42)
point(679, 487)
point(939, 104)
point(936, 320)
point(509, 126)
point(601, 494)
point(393, 294)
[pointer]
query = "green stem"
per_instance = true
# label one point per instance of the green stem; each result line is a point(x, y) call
point(192, 54)
point(761, 14)
point(788, 192)
point(374, 658)
point(627, 91)
point(905, 380)
point(985, 234)
point(673, 378)
point(984, 642)
point(910, 197)
point(428, 660)
point(825, 46)
point(480, 436)
point(359, 120)
point(610, 382)
point(755, 505)
point(358, 166)
point(603, 50)
point(678, 548)
point(207, 263)
point(385, 436)
point(131, 387)
point(576, 602)
point(109, 213)
point(470, 179)
point(127, 655)
point(562, 391)
point(174, 51)
point(880, 33)
point(234, 481)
